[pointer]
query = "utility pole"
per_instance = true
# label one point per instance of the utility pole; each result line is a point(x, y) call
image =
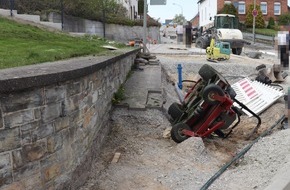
point(254, 21)
point(62, 15)
point(144, 26)
point(104, 18)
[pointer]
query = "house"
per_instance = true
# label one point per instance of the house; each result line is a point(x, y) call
point(195, 20)
point(269, 8)
point(131, 6)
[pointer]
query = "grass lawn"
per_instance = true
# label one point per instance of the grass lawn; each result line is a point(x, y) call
point(25, 45)
point(263, 31)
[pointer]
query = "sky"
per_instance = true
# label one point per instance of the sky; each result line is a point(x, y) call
point(168, 11)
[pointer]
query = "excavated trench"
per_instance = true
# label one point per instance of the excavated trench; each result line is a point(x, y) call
point(150, 159)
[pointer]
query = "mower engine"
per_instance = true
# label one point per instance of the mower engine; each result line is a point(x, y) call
point(207, 108)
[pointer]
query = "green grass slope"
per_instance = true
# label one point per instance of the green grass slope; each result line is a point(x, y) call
point(23, 44)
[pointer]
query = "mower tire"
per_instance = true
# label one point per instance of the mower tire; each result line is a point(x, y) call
point(175, 111)
point(176, 132)
point(207, 72)
point(209, 91)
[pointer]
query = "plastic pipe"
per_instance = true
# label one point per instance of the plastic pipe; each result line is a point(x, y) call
point(179, 71)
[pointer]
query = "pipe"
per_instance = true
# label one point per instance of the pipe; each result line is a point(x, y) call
point(179, 93)
point(179, 71)
point(239, 155)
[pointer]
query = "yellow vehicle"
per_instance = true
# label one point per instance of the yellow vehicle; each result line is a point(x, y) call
point(218, 51)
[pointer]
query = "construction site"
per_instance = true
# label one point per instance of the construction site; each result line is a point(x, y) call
point(143, 151)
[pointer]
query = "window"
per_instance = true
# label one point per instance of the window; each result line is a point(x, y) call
point(264, 8)
point(277, 8)
point(242, 7)
point(228, 2)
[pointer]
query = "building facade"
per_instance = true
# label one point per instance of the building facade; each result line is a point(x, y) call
point(269, 8)
point(131, 6)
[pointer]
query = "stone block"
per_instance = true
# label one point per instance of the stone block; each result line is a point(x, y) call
point(51, 172)
point(54, 142)
point(73, 88)
point(1, 119)
point(61, 123)
point(26, 137)
point(95, 96)
point(50, 112)
point(15, 119)
point(18, 159)
point(43, 131)
point(33, 182)
point(90, 118)
point(10, 139)
point(72, 103)
point(75, 117)
point(30, 126)
point(5, 161)
point(22, 100)
point(6, 177)
point(14, 186)
point(54, 94)
point(5, 169)
point(35, 151)
point(27, 171)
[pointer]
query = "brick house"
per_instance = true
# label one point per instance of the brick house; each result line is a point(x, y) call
point(195, 21)
point(269, 8)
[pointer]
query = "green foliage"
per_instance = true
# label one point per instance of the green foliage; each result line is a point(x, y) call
point(119, 95)
point(179, 19)
point(260, 23)
point(141, 7)
point(25, 45)
point(263, 31)
point(271, 23)
point(229, 9)
point(284, 19)
point(88, 9)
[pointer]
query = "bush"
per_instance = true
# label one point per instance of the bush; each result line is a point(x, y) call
point(260, 23)
point(284, 19)
point(271, 23)
point(229, 9)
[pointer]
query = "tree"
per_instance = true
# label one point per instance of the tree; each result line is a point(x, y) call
point(179, 19)
point(284, 19)
point(271, 23)
point(229, 9)
point(260, 23)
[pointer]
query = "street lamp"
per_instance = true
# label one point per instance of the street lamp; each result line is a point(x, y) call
point(179, 6)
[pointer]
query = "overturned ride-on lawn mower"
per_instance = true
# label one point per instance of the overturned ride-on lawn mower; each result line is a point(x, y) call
point(207, 108)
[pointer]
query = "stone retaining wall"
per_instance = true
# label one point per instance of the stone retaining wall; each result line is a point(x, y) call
point(53, 119)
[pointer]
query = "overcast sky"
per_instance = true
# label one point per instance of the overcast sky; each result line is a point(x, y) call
point(189, 8)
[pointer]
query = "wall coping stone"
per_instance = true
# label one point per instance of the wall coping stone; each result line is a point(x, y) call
point(22, 78)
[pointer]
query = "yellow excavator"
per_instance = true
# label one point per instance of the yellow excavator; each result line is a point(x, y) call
point(218, 51)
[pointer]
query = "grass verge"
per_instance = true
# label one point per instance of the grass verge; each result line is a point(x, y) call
point(22, 44)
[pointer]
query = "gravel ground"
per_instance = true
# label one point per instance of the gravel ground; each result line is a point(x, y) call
point(151, 160)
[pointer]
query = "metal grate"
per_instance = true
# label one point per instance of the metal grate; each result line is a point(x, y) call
point(255, 95)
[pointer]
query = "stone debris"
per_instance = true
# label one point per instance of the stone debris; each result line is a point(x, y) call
point(116, 157)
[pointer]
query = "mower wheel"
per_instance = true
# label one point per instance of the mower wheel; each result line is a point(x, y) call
point(207, 72)
point(211, 90)
point(176, 132)
point(175, 111)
